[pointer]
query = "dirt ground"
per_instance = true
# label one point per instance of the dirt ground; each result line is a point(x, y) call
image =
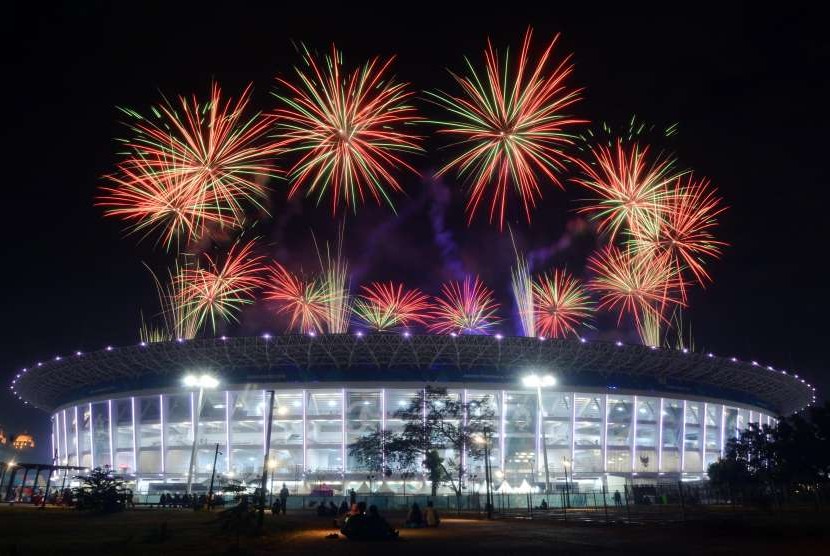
point(59, 531)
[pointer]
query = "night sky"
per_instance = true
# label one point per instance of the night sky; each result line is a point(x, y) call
point(749, 90)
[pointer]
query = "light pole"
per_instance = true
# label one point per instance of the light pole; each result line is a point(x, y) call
point(272, 466)
point(212, 476)
point(200, 382)
point(566, 464)
point(539, 382)
point(488, 504)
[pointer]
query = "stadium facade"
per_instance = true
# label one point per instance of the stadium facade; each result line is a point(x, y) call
point(617, 412)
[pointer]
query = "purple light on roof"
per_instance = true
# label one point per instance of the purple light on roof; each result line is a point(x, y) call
point(108, 348)
point(499, 336)
point(619, 343)
point(583, 340)
point(359, 334)
point(453, 334)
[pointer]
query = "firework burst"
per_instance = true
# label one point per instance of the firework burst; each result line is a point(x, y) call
point(305, 301)
point(467, 307)
point(684, 232)
point(561, 305)
point(640, 286)
point(384, 306)
point(349, 130)
point(218, 291)
point(631, 189)
point(172, 205)
point(512, 128)
point(209, 153)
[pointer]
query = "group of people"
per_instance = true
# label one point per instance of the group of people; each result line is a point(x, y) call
point(364, 525)
point(167, 500)
point(279, 504)
point(427, 518)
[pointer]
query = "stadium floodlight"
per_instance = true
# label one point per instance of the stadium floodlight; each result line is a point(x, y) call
point(535, 381)
point(203, 381)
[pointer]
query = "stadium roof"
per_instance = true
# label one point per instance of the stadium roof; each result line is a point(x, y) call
point(401, 357)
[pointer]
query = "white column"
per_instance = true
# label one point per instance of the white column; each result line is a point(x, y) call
point(305, 434)
point(111, 435)
point(65, 438)
point(683, 441)
point(163, 425)
point(57, 419)
point(227, 431)
point(91, 439)
point(77, 437)
point(502, 440)
point(604, 432)
point(634, 436)
point(703, 436)
point(135, 435)
point(660, 438)
point(722, 428)
point(343, 428)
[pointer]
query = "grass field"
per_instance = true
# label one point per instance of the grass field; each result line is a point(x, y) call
point(50, 531)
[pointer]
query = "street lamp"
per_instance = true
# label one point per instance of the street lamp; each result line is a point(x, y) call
point(272, 466)
point(201, 382)
point(482, 439)
point(545, 381)
point(566, 464)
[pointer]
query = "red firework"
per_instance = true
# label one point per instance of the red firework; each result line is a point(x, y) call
point(467, 307)
point(304, 300)
point(685, 230)
point(172, 205)
point(219, 290)
point(387, 305)
point(638, 285)
point(513, 128)
point(631, 188)
point(222, 156)
point(561, 304)
point(349, 130)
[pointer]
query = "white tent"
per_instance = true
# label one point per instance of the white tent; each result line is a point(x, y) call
point(425, 488)
point(524, 488)
point(363, 488)
point(384, 489)
point(504, 488)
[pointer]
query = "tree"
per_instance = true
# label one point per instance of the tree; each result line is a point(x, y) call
point(101, 492)
point(795, 452)
point(438, 430)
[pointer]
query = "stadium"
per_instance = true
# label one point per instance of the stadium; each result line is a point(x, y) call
point(616, 412)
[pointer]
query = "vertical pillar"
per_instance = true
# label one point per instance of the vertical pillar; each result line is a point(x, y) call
point(660, 438)
point(634, 436)
point(163, 426)
point(111, 435)
point(305, 432)
point(135, 435)
point(65, 438)
point(703, 419)
point(683, 440)
point(37, 477)
point(11, 477)
point(23, 483)
point(502, 431)
point(573, 436)
point(77, 437)
point(343, 428)
point(227, 431)
point(603, 427)
point(57, 447)
point(91, 439)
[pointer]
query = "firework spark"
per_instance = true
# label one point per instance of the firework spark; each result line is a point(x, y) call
point(335, 277)
point(561, 305)
point(384, 306)
point(218, 292)
point(522, 285)
point(304, 300)
point(464, 308)
point(631, 188)
point(211, 151)
point(634, 284)
point(513, 128)
point(172, 205)
point(349, 130)
point(685, 230)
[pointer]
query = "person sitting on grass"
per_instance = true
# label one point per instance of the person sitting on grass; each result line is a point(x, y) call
point(343, 509)
point(415, 519)
point(368, 527)
point(431, 515)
